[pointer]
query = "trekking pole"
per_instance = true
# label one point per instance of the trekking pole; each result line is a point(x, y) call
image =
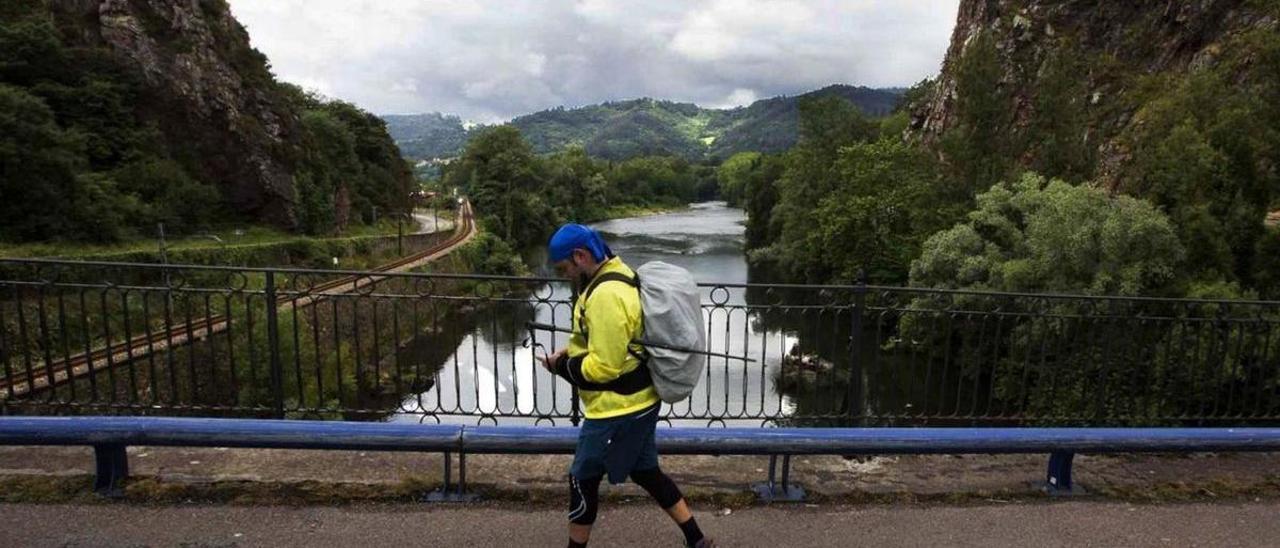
point(548, 327)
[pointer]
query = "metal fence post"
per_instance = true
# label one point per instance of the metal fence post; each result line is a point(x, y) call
point(273, 345)
point(855, 350)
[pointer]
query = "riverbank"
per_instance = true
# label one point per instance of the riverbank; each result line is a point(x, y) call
point(625, 211)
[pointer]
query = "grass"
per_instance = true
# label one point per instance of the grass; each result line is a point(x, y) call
point(226, 238)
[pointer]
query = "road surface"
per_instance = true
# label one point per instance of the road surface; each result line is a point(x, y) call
point(1070, 523)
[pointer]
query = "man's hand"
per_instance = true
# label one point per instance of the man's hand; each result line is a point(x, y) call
point(549, 362)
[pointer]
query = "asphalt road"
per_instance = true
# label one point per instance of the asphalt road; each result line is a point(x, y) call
point(1073, 523)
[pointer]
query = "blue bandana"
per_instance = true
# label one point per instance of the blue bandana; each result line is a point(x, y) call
point(575, 236)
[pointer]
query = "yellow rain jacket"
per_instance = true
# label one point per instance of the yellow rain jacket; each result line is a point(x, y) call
point(605, 352)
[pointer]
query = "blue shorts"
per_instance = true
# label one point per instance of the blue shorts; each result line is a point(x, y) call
point(618, 446)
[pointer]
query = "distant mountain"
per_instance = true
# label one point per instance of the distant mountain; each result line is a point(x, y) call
point(772, 125)
point(425, 136)
point(639, 127)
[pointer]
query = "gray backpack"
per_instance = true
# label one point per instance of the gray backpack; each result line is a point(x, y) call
point(672, 319)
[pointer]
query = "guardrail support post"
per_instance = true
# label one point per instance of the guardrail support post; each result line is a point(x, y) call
point(450, 492)
point(1058, 480)
point(771, 491)
point(112, 469)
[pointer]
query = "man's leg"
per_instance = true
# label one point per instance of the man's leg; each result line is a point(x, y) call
point(668, 496)
point(584, 501)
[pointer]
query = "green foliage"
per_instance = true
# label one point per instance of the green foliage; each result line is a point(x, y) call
point(643, 127)
point(653, 179)
point(83, 159)
point(523, 197)
point(773, 125)
point(1267, 268)
point(576, 185)
point(1042, 236)
point(1058, 136)
point(761, 198)
point(1206, 153)
point(885, 201)
point(825, 126)
point(916, 95)
point(979, 147)
point(348, 165)
point(166, 193)
point(499, 173)
point(39, 162)
point(329, 157)
point(489, 254)
point(1048, 236)
point(427, 136)
point(733, 174)
point(842, 203)
point(1199, 143)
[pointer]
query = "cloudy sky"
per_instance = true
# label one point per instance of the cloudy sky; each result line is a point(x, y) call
point(491, 60)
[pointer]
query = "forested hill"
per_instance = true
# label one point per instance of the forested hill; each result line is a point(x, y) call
point(643, 127)
point(427, 136)
point(117, 115)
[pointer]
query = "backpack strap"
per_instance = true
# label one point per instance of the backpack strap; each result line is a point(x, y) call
point(633, 281)
point(632, 381)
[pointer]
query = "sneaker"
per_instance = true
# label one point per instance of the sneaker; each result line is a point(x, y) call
point(706, 542)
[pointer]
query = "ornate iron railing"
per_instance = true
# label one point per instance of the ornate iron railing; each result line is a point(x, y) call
point(110, 338)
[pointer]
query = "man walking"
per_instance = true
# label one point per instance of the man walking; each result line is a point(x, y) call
point(621, 406)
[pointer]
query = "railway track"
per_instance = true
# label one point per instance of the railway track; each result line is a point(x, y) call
point(26, 381)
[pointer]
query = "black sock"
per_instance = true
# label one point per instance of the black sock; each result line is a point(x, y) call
point(692, 534)
point(576, 544)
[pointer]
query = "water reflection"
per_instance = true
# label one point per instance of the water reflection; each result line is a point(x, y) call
point(489, 373)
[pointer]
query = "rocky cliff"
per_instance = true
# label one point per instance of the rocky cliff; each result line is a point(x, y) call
point(204, 88)
point(1112, 46)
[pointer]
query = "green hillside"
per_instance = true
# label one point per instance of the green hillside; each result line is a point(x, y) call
point(642, 127)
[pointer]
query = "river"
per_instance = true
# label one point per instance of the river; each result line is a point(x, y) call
point(490, 376)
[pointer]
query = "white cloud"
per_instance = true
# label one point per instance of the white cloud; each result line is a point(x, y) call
point(491, 60)
point(739, 98)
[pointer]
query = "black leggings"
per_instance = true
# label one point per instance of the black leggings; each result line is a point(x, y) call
point(584, 495)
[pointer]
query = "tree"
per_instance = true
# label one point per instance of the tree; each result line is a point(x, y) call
point(499, 173)
point(761, 197)
point(38, 166)
point(827, 125)
point(1036, 235)
point(329, 163)
point(733, 174)
point(1047, 236)
point(978, 146)
point(888, 201)
point(1205, 152)
point(1058, 130)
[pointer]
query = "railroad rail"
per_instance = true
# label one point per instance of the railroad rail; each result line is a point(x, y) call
point(41, 376)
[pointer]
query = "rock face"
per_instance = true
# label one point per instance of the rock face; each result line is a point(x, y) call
point(1118, 40)
point(206, 90)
